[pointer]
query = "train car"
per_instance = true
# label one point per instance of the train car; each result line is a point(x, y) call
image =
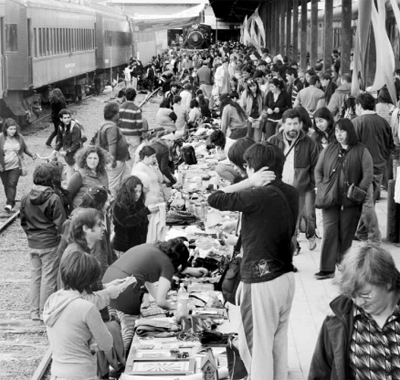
point(47, 42)
point(114, 42)
point(3, 76)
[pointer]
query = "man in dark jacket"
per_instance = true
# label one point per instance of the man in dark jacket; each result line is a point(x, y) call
point(42, 216)
point(267, 284)
point(69, 139)
point(301, 154)
point(376, 134)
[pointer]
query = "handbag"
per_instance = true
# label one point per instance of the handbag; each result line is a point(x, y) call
point(22, 166)
point(356, 194)
point(327, 190)
point(230, 278)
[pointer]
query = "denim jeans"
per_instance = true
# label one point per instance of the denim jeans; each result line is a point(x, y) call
point(44, 268)
point(10, 180)
point(307, 211)
point(368, 227)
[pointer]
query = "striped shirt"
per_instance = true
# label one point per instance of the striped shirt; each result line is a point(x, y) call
point(130, 119)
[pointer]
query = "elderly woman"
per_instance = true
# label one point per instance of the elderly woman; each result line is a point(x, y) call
point(360, 339)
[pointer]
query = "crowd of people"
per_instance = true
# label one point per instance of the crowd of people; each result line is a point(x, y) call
point(289, 142)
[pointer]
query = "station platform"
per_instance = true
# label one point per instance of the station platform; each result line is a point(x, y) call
point(312, 298)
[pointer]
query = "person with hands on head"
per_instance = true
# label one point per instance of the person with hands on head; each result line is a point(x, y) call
point(266, 290)
point(153, 265)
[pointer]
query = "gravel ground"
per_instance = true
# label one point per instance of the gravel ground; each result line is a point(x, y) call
point(23, 342)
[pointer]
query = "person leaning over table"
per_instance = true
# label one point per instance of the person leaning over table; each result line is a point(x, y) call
point(149, 264)
point(360, 340)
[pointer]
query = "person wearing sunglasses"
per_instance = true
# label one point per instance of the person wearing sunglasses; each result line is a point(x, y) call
point(360, 340)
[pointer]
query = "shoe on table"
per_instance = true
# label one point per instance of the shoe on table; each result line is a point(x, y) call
point(322, 275)
point(312, 243)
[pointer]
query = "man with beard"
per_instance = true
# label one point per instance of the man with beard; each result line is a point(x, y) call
point(301, 153)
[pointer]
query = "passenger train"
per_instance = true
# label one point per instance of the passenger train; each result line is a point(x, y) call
point(50, 43)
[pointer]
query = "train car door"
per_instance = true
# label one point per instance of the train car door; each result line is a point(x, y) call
point(16, 49)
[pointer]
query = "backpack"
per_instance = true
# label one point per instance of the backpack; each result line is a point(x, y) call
point(99, 138)
point(188, 155)
point(83, 134)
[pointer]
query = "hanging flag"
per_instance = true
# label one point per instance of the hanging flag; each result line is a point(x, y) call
point(260, 26)
point(384, 52)
point(361, 42)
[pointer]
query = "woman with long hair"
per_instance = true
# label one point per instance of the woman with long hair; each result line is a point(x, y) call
point(195, 116)
point(277, 102)
point(305, 120)
point(252, 102)
point(234, 122)
point(12, 149)
point(57, 103)
point(342, 163)
point(90, 172)
point(130, 216)
point(324, 132)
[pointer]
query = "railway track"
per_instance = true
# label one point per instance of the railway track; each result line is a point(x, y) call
point(24, 346)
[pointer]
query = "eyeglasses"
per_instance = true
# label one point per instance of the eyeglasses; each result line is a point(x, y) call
point(364, 297)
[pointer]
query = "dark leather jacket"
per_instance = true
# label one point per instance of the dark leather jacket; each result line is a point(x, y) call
point(305, 158)
point(331, 356)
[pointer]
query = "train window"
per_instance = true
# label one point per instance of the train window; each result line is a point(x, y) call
point(11, 37)
point(40, 43)
point(35, 50)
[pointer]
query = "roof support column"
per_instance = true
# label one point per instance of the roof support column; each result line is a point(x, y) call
point(328, 34)
point(282, 27)
point(347, 37)
point(289, 28)
point(275, 31)
point(295, 30)
point(269, 25)
point(303, 48)
point(314, 33)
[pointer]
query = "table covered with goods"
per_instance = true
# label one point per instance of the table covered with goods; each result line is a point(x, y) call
point(195, 340)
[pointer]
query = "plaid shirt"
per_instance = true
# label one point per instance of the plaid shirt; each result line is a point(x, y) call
point(375, 351)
